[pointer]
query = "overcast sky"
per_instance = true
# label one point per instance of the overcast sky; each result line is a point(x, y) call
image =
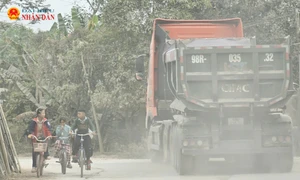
point(59, 6)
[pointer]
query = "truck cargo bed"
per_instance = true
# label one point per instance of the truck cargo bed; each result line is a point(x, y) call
point(230, 75)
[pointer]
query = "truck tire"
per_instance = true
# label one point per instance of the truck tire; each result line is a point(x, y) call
point(274, 163)
point(260, 165)
point(296, 141)
point(166, 145)
point(184, 164)
point(154, 155)
point(173, 147)
point(296, 148)
point(284, 162)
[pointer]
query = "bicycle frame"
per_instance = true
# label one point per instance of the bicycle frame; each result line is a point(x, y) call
point(40, 157)
point(62, 142)
point(63, 154)
point(81, 151)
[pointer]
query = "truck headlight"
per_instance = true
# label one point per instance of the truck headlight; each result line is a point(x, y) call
point(185, 143)
point(199, 143)
point(281, 139)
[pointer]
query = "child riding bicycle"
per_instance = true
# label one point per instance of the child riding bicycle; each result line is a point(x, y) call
point(63, 130)
point(39, 127)
point(83, 124)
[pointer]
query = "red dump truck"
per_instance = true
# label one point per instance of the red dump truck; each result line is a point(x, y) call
point(211, 92)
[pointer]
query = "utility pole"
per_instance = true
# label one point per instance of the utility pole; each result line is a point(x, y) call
point(93, 107)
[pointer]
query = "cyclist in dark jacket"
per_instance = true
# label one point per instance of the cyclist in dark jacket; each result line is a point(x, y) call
point(83, 124)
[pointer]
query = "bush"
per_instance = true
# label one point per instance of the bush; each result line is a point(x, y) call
point(22, 143)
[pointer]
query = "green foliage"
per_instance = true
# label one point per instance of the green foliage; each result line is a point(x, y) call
point(61, 25)
point(93, 22)
point(27, 93)
point(75, 18)
point(70, 24)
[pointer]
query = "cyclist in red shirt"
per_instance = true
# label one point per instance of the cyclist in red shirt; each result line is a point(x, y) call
point(39, 127)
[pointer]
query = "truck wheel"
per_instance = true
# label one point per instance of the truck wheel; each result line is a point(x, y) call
point(260, 164)
point(154, 155)
point(296, 148)
point(284, 162)
point(166, 145)
point(275, 163)
point(185, 164)
point(171, 149)
point(296, 142)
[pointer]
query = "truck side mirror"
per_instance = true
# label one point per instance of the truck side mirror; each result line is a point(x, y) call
point(139, 67)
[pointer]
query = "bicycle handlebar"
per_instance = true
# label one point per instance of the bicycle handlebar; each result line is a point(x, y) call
point(34, 137)
point(63, 137)
point(81, 135)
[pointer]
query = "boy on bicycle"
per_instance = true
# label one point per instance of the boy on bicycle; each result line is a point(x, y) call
point(63, 130)
point(83, 124)
point(39, 127)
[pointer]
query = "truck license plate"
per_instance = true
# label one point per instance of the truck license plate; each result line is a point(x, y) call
point(235, 121)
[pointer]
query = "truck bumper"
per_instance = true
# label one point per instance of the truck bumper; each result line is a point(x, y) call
point(235, 147)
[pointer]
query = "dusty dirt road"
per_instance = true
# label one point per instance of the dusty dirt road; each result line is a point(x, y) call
point(140, 170)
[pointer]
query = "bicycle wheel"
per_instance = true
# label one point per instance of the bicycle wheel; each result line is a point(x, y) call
point(63, 162)
point(81, 160)
point(42, 164)
point(38, 165)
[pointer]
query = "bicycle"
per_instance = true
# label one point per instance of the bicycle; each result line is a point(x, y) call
point(63, 154)
point(81, 152)
point(41, 148)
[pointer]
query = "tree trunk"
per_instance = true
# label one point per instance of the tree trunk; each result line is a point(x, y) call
point(93, 109)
